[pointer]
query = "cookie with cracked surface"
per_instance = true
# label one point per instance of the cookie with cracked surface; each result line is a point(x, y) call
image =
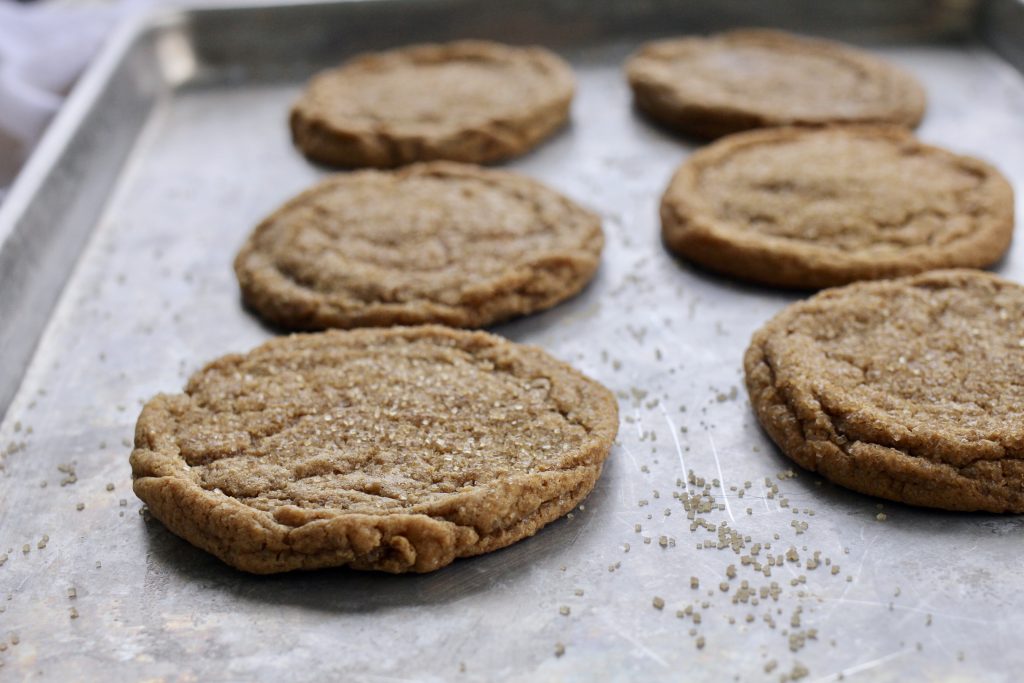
point(430, 243)
point(752, 78)
point(810, 208)
point(471, 101)
point(908, 389)
point(397, 450)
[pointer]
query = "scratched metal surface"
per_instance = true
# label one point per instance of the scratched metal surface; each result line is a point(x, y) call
point(923, 594)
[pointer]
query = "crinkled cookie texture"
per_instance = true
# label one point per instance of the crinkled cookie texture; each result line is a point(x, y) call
point(908, 389)
point(810, 208)
point(397, 450)
point(721, 84)
point(430, 243)
point(470, 101)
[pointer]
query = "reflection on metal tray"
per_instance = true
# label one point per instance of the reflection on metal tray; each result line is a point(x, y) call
point(115, 281)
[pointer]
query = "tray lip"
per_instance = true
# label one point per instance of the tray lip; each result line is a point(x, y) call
point(40, 166)
point(66, 123)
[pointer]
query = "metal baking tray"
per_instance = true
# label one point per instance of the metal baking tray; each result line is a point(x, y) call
point(116, 283)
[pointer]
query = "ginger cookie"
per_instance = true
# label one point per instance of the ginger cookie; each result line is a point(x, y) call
point(909, 389)
point(398, 450)
point(470, 101)
point(430, 243)
point(721, 84)
point(809, 208)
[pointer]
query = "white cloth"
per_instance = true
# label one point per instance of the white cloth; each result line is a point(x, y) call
point(43, 49)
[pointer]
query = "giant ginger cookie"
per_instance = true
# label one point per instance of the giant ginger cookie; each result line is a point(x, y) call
point(809, 208)
point(398, 450)
point(908, 389)
point(430, 243)
point(721, 84)
point(470, 101)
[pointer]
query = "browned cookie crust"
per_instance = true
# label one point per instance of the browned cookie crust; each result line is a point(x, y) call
point(431, 243)
point(471, 101)
point(757, 78)
point(808, 208)
point(909, 389)
point(398, 450)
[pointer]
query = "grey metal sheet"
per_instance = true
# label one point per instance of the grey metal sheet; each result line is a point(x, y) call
point(196, 151)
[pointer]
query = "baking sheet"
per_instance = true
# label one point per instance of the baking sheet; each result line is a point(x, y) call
point(92, 590)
